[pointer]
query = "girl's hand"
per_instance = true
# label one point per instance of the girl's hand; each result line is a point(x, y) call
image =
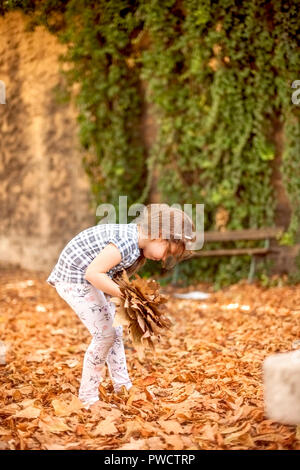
point(120, 295)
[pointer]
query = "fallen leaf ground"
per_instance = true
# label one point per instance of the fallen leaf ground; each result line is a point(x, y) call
point(201, 390)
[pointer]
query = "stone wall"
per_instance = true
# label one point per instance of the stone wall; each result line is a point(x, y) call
point(44, 192)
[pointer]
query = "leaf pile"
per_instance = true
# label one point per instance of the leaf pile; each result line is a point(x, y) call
point(142, 308)
point(202, 390)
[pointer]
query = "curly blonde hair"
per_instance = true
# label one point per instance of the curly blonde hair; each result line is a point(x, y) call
point(160, 221)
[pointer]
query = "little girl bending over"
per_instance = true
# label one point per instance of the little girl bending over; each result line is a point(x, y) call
point(83, 276)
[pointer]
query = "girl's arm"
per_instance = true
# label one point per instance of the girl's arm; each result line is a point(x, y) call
point(95, 273)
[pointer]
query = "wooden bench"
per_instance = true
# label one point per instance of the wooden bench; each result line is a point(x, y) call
point(266, 234)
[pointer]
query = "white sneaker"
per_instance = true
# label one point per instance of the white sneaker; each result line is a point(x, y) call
point(87, 405)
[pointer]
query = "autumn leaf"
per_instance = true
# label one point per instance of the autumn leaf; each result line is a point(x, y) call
point(134, 444)
point(62, 408)
point(30, 413)
point(53, 424)
point(139, 427)
point(105, 427)
point(171, 426)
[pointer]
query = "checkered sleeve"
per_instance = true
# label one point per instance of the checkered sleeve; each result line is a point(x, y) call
point(126, 246)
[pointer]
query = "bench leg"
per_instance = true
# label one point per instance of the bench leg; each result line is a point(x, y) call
point(251, 270)
point(175, 274)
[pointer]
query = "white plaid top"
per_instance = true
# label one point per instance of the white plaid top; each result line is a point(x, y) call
point(86, 245)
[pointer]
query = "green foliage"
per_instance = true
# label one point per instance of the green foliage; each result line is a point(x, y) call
point(219, 75)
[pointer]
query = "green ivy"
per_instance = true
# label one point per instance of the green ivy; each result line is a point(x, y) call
point(219, 75)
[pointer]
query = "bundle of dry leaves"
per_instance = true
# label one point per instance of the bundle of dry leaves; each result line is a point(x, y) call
point(142, 308)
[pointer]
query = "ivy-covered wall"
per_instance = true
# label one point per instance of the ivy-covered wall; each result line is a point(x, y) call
point(219, 74)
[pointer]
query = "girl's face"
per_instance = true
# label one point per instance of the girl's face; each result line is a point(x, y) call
point(158, 249)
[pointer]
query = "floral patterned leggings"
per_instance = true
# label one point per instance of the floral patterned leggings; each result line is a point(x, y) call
point(97, 313)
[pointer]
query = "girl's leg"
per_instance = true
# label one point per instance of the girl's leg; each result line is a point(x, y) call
point(96, 316)
point(116, 359)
